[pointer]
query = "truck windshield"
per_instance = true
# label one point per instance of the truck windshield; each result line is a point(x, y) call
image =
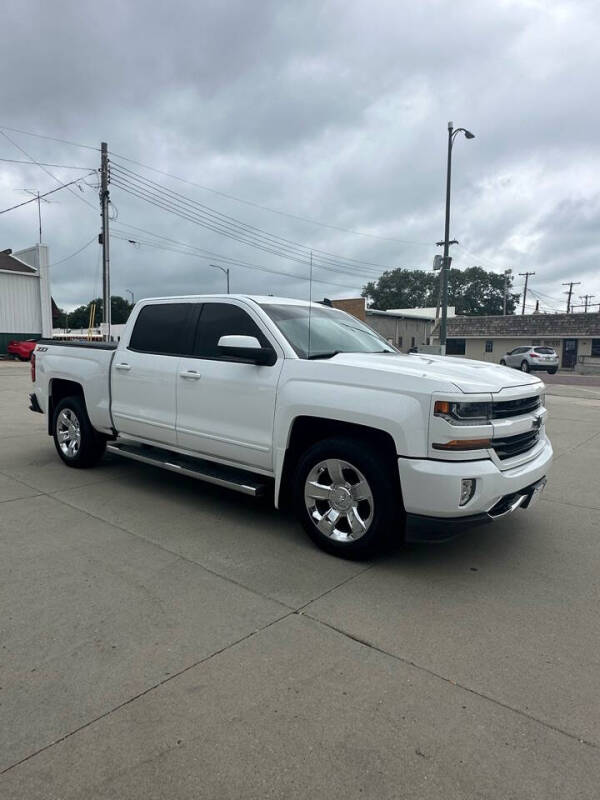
point(330, 332)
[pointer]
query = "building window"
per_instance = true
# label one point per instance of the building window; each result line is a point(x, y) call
point(455, 347)
point(596, 348)
point(399, 343)
point(489, 346)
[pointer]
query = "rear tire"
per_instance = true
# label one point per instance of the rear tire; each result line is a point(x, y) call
point(524, 366)
point(502, 362)
point(76, 441)
point(346, 497)
point(552, 371)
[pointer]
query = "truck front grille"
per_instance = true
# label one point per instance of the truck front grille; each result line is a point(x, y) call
point(514, 408)
point(510, 446)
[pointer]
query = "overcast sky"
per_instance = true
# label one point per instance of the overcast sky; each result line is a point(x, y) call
point(332, 111)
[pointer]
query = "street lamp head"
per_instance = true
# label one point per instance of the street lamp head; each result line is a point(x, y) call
point(469, 135)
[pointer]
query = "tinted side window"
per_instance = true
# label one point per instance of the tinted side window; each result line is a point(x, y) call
point(163, 328)
point(223, 319)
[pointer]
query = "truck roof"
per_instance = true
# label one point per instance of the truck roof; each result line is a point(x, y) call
point(260, 299)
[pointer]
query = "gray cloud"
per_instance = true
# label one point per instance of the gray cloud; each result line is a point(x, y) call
point(329, 110)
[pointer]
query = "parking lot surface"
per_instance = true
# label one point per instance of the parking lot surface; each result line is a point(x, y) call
point(161, 638)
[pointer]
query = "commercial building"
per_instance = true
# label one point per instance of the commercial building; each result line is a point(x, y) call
point(575, 337)
point(403, 327)
point(25, 302)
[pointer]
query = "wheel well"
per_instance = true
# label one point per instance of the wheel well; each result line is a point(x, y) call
point(306, 431)
point(59, 389)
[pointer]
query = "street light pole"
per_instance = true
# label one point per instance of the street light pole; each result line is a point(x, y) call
point(132, 296)
point(226, 271)
point(446, 257)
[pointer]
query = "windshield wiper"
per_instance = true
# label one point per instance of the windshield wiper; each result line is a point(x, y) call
point(329, 354)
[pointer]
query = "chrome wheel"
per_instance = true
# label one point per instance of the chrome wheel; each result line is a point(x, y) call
point(339, 500)
point(68, 433)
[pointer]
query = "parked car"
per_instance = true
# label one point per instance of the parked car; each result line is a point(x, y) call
point(308, 404)
point(529, 358)
point(21, 349)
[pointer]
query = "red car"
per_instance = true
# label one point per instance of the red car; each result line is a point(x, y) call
point(21, 349)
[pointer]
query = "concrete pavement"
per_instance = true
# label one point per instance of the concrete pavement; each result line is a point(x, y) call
point(163, 638)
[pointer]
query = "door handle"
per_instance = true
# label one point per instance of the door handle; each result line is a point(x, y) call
point(191, 374)
point(124, 367)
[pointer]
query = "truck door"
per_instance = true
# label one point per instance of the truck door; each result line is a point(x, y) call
point(144, 371)
point(225, 407)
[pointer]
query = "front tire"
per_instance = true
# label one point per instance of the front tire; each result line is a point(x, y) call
point(502, 362)
point(524, 366)
point(76, 441)
point(552, 371)
point(347, 498)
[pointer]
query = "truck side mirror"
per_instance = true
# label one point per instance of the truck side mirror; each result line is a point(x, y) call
point(247, 348)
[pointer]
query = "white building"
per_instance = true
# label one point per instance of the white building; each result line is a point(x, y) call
point(25, 303)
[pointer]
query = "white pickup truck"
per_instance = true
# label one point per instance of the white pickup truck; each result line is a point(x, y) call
point(270, 394)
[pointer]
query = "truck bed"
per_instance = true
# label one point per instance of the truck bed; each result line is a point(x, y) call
point(79, 343)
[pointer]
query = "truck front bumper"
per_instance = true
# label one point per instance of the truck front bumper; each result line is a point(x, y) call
point(431, 492)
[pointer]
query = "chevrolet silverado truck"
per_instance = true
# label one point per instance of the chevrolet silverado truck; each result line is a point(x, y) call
point(301, 400)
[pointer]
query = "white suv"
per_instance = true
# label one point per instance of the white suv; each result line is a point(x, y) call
point(528, 358)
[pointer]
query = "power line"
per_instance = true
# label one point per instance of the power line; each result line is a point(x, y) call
point(141, 184)
point(266, 244)
point(76, 253)
point(42, 164)
point(211, 255)
point(50, 138)
point(221, 193)
point(268, 208)
point(47, 171)
point(41, 196)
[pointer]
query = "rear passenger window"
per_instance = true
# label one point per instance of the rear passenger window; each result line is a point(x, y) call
point(223, 319)
point(164, 329)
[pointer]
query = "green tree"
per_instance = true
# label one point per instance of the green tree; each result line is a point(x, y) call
point(80, 317)
point(473, 291)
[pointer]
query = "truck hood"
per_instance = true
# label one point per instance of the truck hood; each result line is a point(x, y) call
point(469, 376)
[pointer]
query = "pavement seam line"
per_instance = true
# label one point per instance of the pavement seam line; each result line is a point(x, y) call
point(172, 553)
point(421, 668)
point(566, 503)
point(577, 446)
point(145, 692)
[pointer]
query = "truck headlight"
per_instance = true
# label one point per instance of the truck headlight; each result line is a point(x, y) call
point(463, 413)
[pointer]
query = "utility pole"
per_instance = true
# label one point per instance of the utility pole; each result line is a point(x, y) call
point(526, 276)
point(39, 214)
point(507, 274)
point(104, 237)
point(570, 284)
point(586, 299)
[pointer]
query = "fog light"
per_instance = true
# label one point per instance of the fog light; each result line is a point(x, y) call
point(467, 490)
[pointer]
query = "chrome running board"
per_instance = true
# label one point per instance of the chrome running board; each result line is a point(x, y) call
point(219, 474)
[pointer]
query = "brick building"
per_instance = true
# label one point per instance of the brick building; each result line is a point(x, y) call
point(575, 337)
point(402, 327)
